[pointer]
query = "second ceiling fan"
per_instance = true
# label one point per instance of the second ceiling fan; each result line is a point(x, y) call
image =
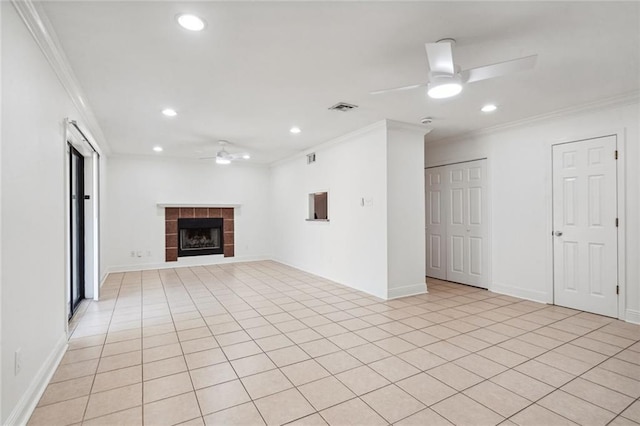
point(224, 157)
point(445, 77)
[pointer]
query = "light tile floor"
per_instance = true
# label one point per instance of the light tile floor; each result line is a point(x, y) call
point(255, 343)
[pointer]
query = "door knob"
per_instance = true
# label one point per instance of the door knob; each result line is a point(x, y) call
point(558, 233)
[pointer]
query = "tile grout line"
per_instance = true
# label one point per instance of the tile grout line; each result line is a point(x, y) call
point(95, 374)
point(227, 360)
point(276, 292)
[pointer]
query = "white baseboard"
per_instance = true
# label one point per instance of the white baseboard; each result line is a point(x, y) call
point(104, 277)
point(407, 290)
point(191, 262)
point(633, 316)
point(534, 296)
point(27, 403)
point(329, 278)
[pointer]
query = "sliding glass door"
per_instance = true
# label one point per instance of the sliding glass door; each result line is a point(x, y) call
point(76, 282)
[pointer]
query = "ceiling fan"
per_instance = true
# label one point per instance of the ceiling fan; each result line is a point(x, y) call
point(224, 157)
point(445, 78)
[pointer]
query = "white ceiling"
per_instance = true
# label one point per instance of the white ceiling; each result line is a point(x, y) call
point(261, 67)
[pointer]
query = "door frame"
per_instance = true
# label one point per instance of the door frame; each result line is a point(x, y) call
point(620, 135)
point(488, 188)
point(73, 137)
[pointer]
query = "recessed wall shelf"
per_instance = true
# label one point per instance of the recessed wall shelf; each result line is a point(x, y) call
point(318, 206)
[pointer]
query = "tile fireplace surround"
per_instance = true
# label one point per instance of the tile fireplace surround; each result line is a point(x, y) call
point(172, 214)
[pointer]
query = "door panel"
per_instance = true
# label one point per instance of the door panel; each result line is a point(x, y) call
point(585, 234)
point(457, 255)
point(76, 228)
point(463, 230)
point(435, 262)
point(475, 206)
point(436, 208)
point(457, 214)
point(596, 260)
point(475, 256)
point(435, 232)
point(457, 225)
point(570, 265)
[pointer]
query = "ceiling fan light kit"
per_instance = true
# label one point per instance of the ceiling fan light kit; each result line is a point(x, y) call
point(443, 86)
point(191, 22)
point(489, 108)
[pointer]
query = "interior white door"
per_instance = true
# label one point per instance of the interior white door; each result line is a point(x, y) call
point(585, 246)
point(467, 225)
point(436, 225)
point(457, 227)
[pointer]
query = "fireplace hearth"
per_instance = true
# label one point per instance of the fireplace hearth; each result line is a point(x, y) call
point(202, 236)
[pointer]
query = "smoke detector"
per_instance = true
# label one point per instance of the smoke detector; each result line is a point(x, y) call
point(426, 120)
point(343, 106)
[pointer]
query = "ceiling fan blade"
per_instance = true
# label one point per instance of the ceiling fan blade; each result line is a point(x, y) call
point(206, 158)
point(440, 56)
point(238, 156)
point(396, 89)
point(499, 69)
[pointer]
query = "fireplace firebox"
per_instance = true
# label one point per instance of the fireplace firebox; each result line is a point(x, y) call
point(201, 236)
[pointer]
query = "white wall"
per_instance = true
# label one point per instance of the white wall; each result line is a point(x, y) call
point(377, 247)
point(519, 162)
point(405, 210)
point(135, 185)
point(34, 105)
point(352, 248)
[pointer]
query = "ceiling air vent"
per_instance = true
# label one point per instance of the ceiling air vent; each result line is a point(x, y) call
point(343, 106)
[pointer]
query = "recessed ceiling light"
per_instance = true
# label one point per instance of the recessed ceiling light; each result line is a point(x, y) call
point(157, 148)
point(191, 22)
point(295, 130)
point(169, 112)
point(246, 156)
point(489, 108)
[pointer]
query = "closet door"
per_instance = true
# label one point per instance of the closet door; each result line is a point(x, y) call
point(457, 227)
point(436, 223)
point(466, 226)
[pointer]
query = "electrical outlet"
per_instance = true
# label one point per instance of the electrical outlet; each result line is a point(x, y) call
point(148, 253)
point(18, 361)
point(133, 253)
point(139, 253)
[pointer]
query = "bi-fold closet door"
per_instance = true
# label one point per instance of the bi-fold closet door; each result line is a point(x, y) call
point(457, 228)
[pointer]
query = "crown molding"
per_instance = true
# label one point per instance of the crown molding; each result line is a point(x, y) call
point(386, 123)
point(42, 31)
point(624, 99)
point(323, 145)
point(401, 125)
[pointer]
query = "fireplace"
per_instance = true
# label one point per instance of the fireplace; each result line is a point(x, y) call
point(197, 237)
point(225, 222)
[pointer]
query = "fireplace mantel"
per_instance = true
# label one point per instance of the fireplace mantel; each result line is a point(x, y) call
point(187, 205)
